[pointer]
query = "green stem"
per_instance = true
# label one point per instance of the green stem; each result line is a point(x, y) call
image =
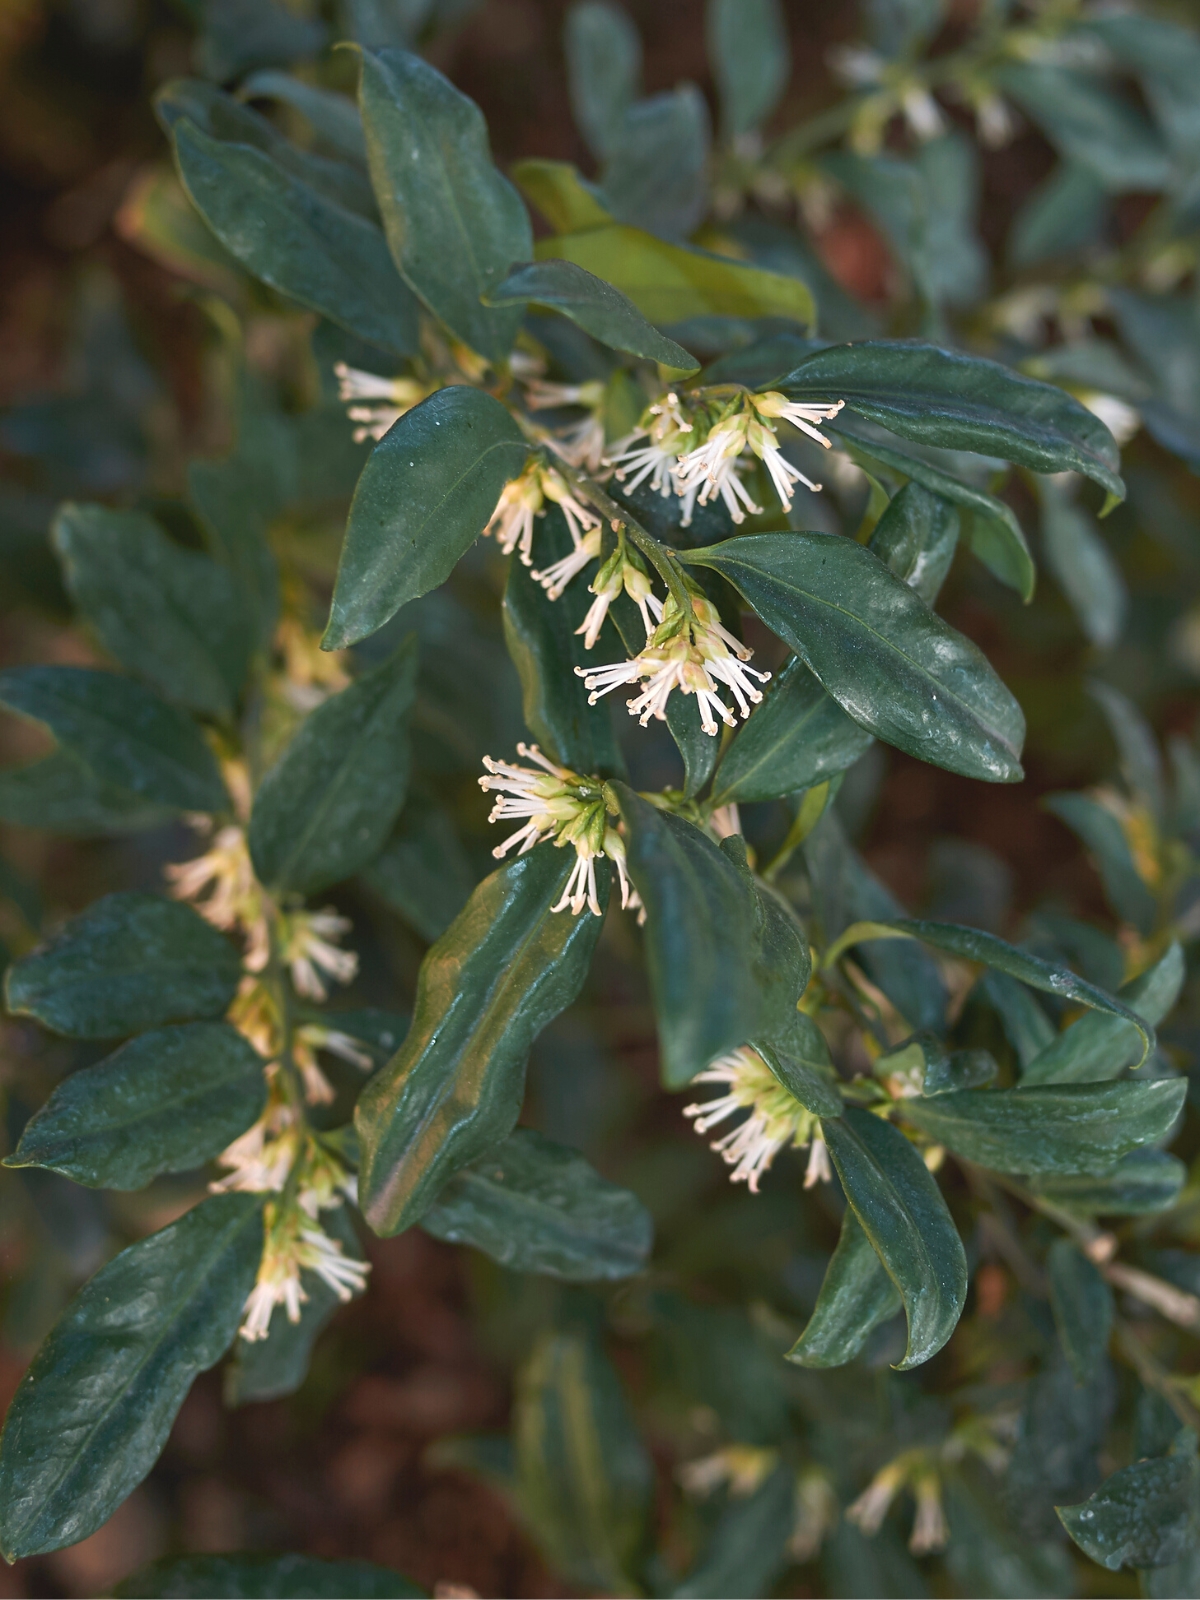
point(660, 558)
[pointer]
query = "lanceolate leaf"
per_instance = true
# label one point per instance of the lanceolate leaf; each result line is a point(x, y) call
point(94, 1409)
point(749, 1546)
point(265, 1577)
point(535, 1206)
point(596, 306)
point(503, 969)
point(604, 59)
point(1098, 1046)
point(1053, 1131)
point(803, 1065)
point(798, 737)
point(454, 224)
point(424, 497)
point(1128, 894)
point(165, 1102)
point(316, 252)
point(902, 1213)
point(750, 54)
point(129, 962)
point(878, 649)
point(856, 1296)
point(1083, 1307)
point(175, 618)
point(62, 794)
point(1144, 1181)
point(126, 735)
point(961, 402)
point(1145, 1515)
point(328, 804)
point(916, 539)
point(727, 961)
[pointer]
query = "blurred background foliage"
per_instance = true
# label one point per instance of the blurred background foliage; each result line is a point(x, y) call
point(920, 184)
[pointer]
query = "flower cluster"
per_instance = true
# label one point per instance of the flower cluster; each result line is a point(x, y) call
point(293, 1244)
point(692, 653)
point(552, 802)
point(776, 1119)
point(580, 444)
point(375, 403)
point(523, 498)
point(915, 1470)
point(699, 453)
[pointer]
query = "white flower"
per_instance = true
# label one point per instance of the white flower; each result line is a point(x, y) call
point(1121, 419)
point(260, 1160)
point(306, 947)
point(869, 1510)
point(222, 887)
point(995, 121)
point(670, 430)
point(291, 1247)
point(579, 517)
point(554, 579)
point(523, 498)
point(713, 467)
point(389, 399)
point(922, 113)
point(622, 571)
point(742, 1466)
point(776, 1117)
point(930, 1529)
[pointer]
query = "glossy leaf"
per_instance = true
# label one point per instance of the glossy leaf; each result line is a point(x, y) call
point(889, 661)
point(318, 253)
point(167, 1101)
point(856, 1296)
point(961, 402)
point(1084, 567)
point(903, 1215)
point(1102, 833)
point(797, 738)
point(62, 794)
point(990, 527)
point(669, 282)
point(1146, 1515)
point(423, 872)
point(535, 1206)
point(425, 496)
point(604, 60)
point(454, 224)
point(541, 637)
point(174, 618)
point(594, 305)
point(265, 1577)
point(93, 1411)
point(328, 804)
point(585, 1478)
point(802, 1063)
point(129, 962)
point(916, 539)
point(1054, 1131)
point(727, 962)
point(504, 968)
point(1097, 1046)
point(749, 1545)
point(1083, 1307)
point(1143, 1182)
point(749, 51)
point(127, 736)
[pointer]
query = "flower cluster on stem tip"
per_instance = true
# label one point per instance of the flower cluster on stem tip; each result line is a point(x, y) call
point(552, 802)
point(776, 1119)
point(690, 652)
point(293, 1244)
point(697, 448)
point(523, 498)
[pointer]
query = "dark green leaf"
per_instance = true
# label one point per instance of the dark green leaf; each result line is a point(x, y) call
point(1026, 1026)
point(888, 660)
point(1054, 1131)
point(856, 1296)
point(1086, 571)
point(802, 1063)
point(334, 117)
point(167, 1101)
point(236, 501)
point(94, 1410)
point(426, 494)
point(991, 527)
point(311, 249)
point(961, 402)
point(1056, 1454)
point(1083, 1307)
point(596, 306)
point(748, 1548)
point(62, 794)
point(542, 641)
point(1102, 833)
point(798, 737)
point(1141, 764)
point(1090, 126)
point(585, 1478)
point(1166, 57)
point(454, 224)
point(916, 539)
point(329, 802)
point(1097, 1046)
point(727, 961)
point(604, 61)
point(174, 618)
point(656, 172)
point(1143, 1182)
point(423, 872)
point(503, 969)
point(126, 734)
point(263, 1577)
point(1064, 214)
point(750, 55)
point(536, 1206)
point(902, 1213)
point(129, 962)
point(239, 34)
point(1145, 1515)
